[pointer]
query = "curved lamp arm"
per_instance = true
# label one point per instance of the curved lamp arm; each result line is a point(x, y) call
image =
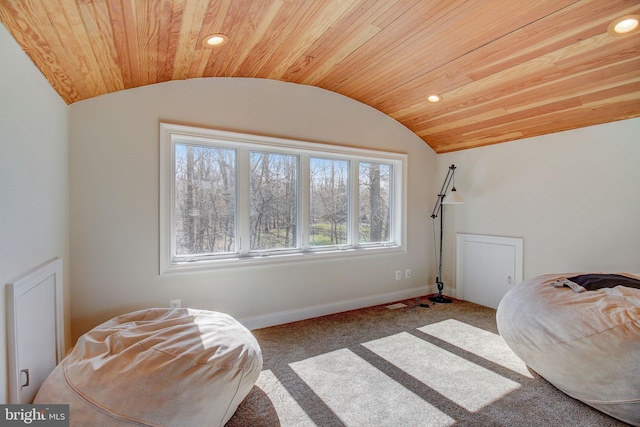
point(443, 191)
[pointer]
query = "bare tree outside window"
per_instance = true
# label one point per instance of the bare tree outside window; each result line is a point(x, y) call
point(375, 202)
point(329, 194)
point(205, 200)
point(274, 200)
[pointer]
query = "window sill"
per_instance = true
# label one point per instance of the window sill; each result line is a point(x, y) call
point(278, 258)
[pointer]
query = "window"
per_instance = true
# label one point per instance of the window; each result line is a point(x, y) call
point(204, 197)
point(228, 197)
point(375, 202)
point(329, 207)
point(273, 198)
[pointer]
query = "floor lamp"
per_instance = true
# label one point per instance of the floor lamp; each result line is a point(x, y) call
point(453, 198)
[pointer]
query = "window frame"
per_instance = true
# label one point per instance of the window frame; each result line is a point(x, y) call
point(243, 143)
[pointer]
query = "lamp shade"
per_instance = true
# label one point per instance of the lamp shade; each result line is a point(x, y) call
point(453, 198)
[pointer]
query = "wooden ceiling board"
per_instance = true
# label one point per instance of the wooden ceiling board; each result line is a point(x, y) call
point(194, 13)
point(277, 29)
point(506, 69)
point(116, 31)
point(613, 80)
point(473, 34)
point(556, 31)
point(337, 43)
point(587, 115)
point(212, 24)
point(168, 37)
point(513, 86)
point(356, 73)
point(254, 24)
point(64, 14)
point(95, 17)
point(511, 50)
point(514, 99)
point(432, 40)
point(311, 27)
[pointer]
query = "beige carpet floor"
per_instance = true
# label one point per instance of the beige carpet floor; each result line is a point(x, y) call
point(444, 365)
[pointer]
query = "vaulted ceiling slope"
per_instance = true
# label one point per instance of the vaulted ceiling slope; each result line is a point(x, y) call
point(506, 69)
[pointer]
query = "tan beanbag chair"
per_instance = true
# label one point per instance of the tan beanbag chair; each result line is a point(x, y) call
point(586, 344)
point(157, 367)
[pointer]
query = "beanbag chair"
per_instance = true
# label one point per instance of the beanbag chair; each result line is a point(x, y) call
point(157, 367)
point(584, 342)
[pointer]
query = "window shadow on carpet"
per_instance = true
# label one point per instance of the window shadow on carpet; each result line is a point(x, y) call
point(444, 365)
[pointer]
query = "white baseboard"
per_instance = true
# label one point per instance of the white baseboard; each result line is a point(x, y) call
point(296, 314)
point(449, 292)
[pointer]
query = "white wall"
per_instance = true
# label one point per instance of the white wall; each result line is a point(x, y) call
point(114, 202)
point(573, 196)
point(33, 176)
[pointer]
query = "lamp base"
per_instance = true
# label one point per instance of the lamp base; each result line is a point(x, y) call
point(440, 299)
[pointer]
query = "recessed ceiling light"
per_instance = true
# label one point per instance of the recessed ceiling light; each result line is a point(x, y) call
point(216, 39)
point(625, 25)
point(434, 98)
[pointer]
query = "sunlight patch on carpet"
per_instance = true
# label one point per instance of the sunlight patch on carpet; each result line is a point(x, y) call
point(359, 394)
point(459, 380)
point(483, 343)
point(289, 411)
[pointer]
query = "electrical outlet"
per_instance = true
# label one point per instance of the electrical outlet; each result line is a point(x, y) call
point(398, 274)
point(175, 303)
point(407, 273)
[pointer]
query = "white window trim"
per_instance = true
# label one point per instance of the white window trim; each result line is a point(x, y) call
point(170, 132)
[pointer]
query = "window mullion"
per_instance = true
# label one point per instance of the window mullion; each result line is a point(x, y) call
point(354, 203)
point(243, 208)
point(304, 201)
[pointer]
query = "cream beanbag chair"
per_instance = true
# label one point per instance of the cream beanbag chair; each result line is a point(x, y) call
point(585, 343)
point(157, 367)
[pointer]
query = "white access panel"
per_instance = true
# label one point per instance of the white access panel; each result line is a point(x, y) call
point(487, 267)
point(35, 329)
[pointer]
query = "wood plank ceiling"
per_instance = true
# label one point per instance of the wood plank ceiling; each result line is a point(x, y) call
point(506, 69)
